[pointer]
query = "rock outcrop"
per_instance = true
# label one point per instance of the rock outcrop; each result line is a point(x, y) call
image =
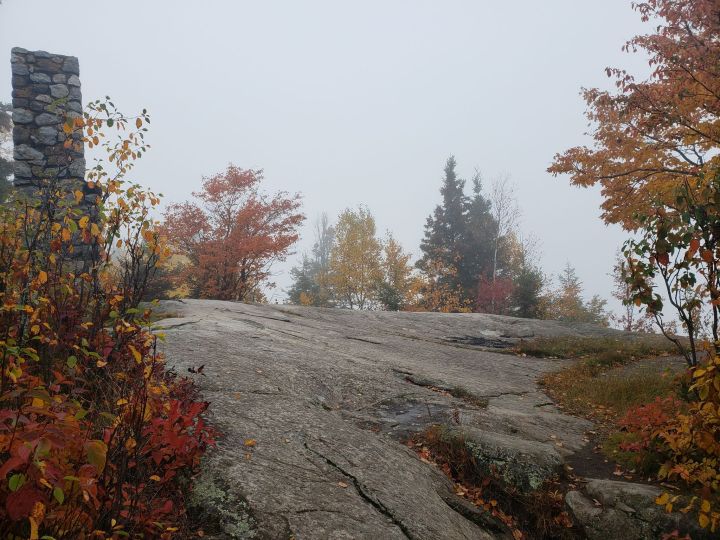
point(314, 403)
point(612, 509)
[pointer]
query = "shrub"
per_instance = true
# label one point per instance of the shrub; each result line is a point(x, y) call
point(684, 441)
point(95, 433)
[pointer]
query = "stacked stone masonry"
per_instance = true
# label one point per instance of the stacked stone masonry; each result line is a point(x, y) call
point(46, 92)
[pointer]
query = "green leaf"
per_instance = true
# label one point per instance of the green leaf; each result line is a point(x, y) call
point(72, 361)
point(16, 481)
point(59, 495)
point(110, 122)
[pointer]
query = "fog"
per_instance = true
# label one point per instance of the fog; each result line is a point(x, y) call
point(355, 102)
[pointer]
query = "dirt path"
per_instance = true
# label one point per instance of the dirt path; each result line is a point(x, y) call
point(313, 404)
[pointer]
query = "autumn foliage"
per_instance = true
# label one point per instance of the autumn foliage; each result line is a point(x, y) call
point(655, 155)
point(97, 438)
point(653, 135)
point(233, 234)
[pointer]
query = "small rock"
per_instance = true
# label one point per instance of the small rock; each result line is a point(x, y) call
point(20, 69)
point(22, 116)
point(59, 90)
point(71, 65)
point(21, 169)
point(77, 168)
point(40, 78)
point(74, 106)
point(27, 153)
point(47, 119)
point(73, 80)
point(47, 135)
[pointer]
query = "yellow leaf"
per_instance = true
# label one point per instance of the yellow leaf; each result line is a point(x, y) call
point(155, 478)
point(101, 363)
point(66, 235)
point(250, 443)
point(136, 354)
point(78, 196)
point(42, 276)
point(662, 499)
point(83, 222)
point(121, 401)
point(703, 520)
point(95, 230)
point(138, 123)
point(705, 506)
point(37, 402)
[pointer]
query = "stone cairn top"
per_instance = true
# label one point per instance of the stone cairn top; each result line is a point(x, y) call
point(46, 91)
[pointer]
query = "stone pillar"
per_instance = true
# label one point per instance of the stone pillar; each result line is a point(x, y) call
point(46, 91)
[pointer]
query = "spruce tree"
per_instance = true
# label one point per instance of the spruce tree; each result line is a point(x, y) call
point(445, 232)
point(480, 232)
point(457, 247)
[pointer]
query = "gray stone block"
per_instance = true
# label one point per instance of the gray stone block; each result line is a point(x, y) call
point(21, 169)
point(40, 78)
point(71, 65)
point(59, 91)
point(27, 153)
point(47, 119)
point(20, 69)
point(77, 168)
point(47, 135)
point(22, 116)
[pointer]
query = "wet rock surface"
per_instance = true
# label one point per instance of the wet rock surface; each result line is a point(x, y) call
point(328, 396)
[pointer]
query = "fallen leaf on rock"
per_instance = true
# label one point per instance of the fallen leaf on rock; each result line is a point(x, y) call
point(342, 484)
point(250, 443)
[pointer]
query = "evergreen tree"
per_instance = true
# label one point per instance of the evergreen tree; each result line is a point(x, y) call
point(567, 304)
point(311, 285)
point(478, 246)
point(445, 232)
point(518, 256)
point(304, 290)
point(457, 248)
point(526, 298)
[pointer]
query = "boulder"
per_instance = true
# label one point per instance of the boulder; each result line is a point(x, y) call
point(624, 510)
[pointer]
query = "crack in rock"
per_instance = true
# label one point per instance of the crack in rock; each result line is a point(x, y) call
point(380, 507)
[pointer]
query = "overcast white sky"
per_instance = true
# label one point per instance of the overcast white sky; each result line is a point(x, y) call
point(354, 102)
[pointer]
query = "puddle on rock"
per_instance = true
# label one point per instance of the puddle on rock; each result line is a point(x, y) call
point(402, 418)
